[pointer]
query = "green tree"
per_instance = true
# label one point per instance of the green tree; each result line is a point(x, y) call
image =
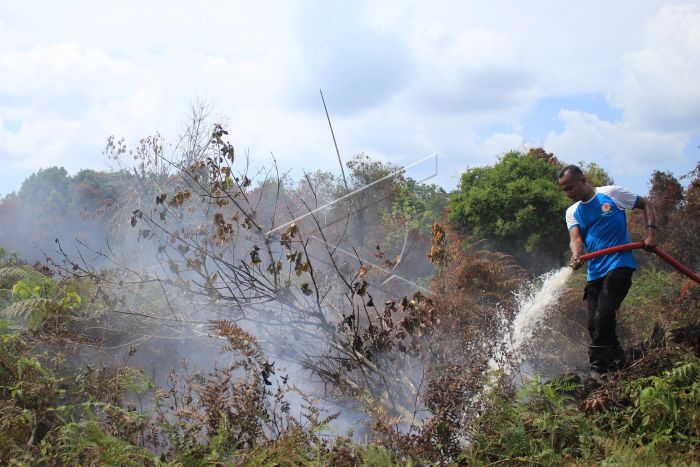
point(516, 203)
point(377, 188)
point(47, 186)
point(596, 175)
point(417, 206)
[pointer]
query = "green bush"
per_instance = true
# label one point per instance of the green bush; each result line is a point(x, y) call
point(538, 424)
point(517, 203)
point(652, 420)
point(664, 410)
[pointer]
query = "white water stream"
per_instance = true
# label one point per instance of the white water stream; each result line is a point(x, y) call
point(533, 307)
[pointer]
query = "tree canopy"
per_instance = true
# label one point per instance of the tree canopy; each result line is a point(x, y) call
point(516, 203)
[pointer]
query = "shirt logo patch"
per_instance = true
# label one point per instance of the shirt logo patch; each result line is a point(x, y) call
point(605, 207)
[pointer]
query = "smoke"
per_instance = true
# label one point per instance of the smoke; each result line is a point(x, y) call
point(53, 205)
point(182, 239)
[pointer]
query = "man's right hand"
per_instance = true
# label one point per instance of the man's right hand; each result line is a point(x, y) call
point(576, 262)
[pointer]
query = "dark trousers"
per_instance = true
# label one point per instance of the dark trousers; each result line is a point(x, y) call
point(604, 296)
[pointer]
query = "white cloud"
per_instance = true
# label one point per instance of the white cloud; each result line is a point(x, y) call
point(475, 72)
point(44, 143)
point(358, 65)
point(402, 79)
point(59, 79)
point(659, 88)
point(56, 95)
point(660, 98)
point(621, 148)
point(571, 48)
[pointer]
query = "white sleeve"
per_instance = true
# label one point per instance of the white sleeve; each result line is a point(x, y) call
point(624, 199)
point(570, 218)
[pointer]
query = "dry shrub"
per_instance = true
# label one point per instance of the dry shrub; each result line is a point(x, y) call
point(471, 283)
point(473, 292)
point(425, 355)
point(229, 405)
point(688, 303)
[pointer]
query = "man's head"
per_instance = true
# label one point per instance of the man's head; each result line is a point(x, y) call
point(574, 183)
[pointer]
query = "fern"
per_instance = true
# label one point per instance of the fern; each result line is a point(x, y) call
point(666, 406)
point(238, 340)
point(685, 374)
point(9, 275)
point(85, 442)
point(31, 308)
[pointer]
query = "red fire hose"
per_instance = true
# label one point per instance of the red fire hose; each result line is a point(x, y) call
point(655, 250)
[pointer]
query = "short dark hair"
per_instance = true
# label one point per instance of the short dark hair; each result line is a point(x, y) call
point(574, 170)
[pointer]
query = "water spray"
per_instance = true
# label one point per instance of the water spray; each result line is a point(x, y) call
point(534, 307)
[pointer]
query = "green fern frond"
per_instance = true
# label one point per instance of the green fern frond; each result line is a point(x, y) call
point(11, 274)
point(568, 386)
point(685, 374)
point(24, 309)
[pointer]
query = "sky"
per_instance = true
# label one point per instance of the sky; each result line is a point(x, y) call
point(613, 83)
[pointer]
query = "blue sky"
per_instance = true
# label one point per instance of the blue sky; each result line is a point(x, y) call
point(606, 82)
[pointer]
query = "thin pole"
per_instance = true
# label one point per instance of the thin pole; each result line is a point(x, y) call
point(334, 142)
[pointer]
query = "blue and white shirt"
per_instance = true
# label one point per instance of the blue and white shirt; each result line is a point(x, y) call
point(603, 225)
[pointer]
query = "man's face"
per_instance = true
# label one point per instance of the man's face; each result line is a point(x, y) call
point(572, 187)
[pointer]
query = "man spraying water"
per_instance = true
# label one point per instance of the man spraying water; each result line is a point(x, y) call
point(597, 220)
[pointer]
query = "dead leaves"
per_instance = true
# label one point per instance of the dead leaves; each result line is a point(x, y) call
point(438, 248)
point(239, 340)
point(274, 267)
point(136, 215)
point(300, 266)
point(222, 229)
point(305, 288)
point(180, 197)
point(360, 287)
point(288, 235)
point(254, 255)
point(598, 401)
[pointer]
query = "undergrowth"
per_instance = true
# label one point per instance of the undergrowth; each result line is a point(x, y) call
point(652, 420)
point(56, 410)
